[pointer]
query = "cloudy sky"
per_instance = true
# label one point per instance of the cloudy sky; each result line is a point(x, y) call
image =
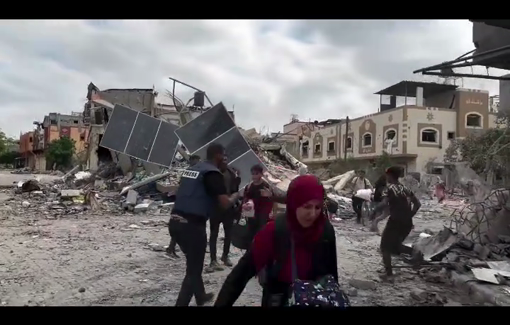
point(267, 70)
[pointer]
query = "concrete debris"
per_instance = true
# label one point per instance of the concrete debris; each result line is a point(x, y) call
point(362, 284)
point(70, 193)
point(486, 263)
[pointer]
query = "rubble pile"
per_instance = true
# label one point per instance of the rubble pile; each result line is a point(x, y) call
point(110, 191)
point(488, 263)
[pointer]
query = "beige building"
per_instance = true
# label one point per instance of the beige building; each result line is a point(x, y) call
point(413, 134)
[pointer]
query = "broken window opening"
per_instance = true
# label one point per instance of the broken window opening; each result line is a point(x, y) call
point(436, 171)
point(103, 154)
point(367, 140)
point(348, 145)
point(331, 146)
point(451, 135)
point(391, 134)
point(474, 120)
point(304, 148)
point(429, 135)
point(317, 148)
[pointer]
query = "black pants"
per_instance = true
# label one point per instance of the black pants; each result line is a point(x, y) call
point(192, 239)
point(356, 206)
point(173, 243)
point(392, 238)
point(226, 218)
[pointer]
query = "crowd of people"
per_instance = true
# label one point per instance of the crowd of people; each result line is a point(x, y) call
point(293, 254)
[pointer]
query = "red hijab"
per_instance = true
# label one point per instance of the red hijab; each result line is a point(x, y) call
point(302, 190)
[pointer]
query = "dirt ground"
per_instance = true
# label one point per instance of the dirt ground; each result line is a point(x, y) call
point(111, 260)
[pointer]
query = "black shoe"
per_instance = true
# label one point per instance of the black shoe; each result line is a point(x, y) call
point(205, 299)
point(227, 261)
point(172, 254)
point(213, 267)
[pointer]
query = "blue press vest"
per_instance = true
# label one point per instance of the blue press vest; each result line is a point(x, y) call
point(191, 197)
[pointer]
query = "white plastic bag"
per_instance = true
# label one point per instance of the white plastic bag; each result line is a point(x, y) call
point(248, 209)
point(365, 194)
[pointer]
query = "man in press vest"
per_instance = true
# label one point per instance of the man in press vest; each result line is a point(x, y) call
point(171, 249)
point(201, 189)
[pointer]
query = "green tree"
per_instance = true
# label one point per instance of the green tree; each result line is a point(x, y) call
point(9, 157)
point(3, 141)
point(60, 152)
point(486, 153)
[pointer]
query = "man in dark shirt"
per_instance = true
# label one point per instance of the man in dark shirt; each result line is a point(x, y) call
point(200, 190)
point(171, 249)
point(403, 205)
point(259, 191)
point(225, 218)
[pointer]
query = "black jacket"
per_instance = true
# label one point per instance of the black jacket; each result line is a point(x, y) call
point(275, 293)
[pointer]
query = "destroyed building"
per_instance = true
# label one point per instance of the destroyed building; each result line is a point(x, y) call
point(53, 127)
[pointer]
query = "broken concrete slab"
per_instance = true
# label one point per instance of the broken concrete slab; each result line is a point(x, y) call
point(132, 197)
point(362, 284)
point(433, 246)
point(494, 295)
point(142, 207)
point(70, 193)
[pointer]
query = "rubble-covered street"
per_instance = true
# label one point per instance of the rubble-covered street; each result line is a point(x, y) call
point(99, 238)
point(90, 258)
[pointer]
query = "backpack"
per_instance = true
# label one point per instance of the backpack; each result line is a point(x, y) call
point(324, 292)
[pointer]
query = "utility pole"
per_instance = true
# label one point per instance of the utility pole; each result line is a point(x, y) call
point(346, 136)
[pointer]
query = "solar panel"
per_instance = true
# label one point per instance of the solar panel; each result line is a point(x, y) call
point(140, 136)
point(233, 141)
point(118, 130)
point(243, 165)
point(165, 145)
point(205, 128)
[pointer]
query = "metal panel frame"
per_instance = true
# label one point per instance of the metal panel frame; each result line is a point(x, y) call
point(201, 115)
point(207, 144)
point(144, 130)
point(131, 133)
point(244, 154)
point(155, 138)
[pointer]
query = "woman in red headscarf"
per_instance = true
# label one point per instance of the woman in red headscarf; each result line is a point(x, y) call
point(300, 245)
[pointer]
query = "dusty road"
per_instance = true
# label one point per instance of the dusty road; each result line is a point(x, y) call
point(108, 260)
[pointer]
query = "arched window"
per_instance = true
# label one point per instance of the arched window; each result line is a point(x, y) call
point(429, 136)
point(304, 148)
point(391, 134)
point(348, 144)
point(317, 148)
point(367, 140)
point(474, 120)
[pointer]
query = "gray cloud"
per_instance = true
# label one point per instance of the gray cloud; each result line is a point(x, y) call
point(267, 69)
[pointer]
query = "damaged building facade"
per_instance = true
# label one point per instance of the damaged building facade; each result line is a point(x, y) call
point(54, 126)
point(414, 133)
point(99, 107)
